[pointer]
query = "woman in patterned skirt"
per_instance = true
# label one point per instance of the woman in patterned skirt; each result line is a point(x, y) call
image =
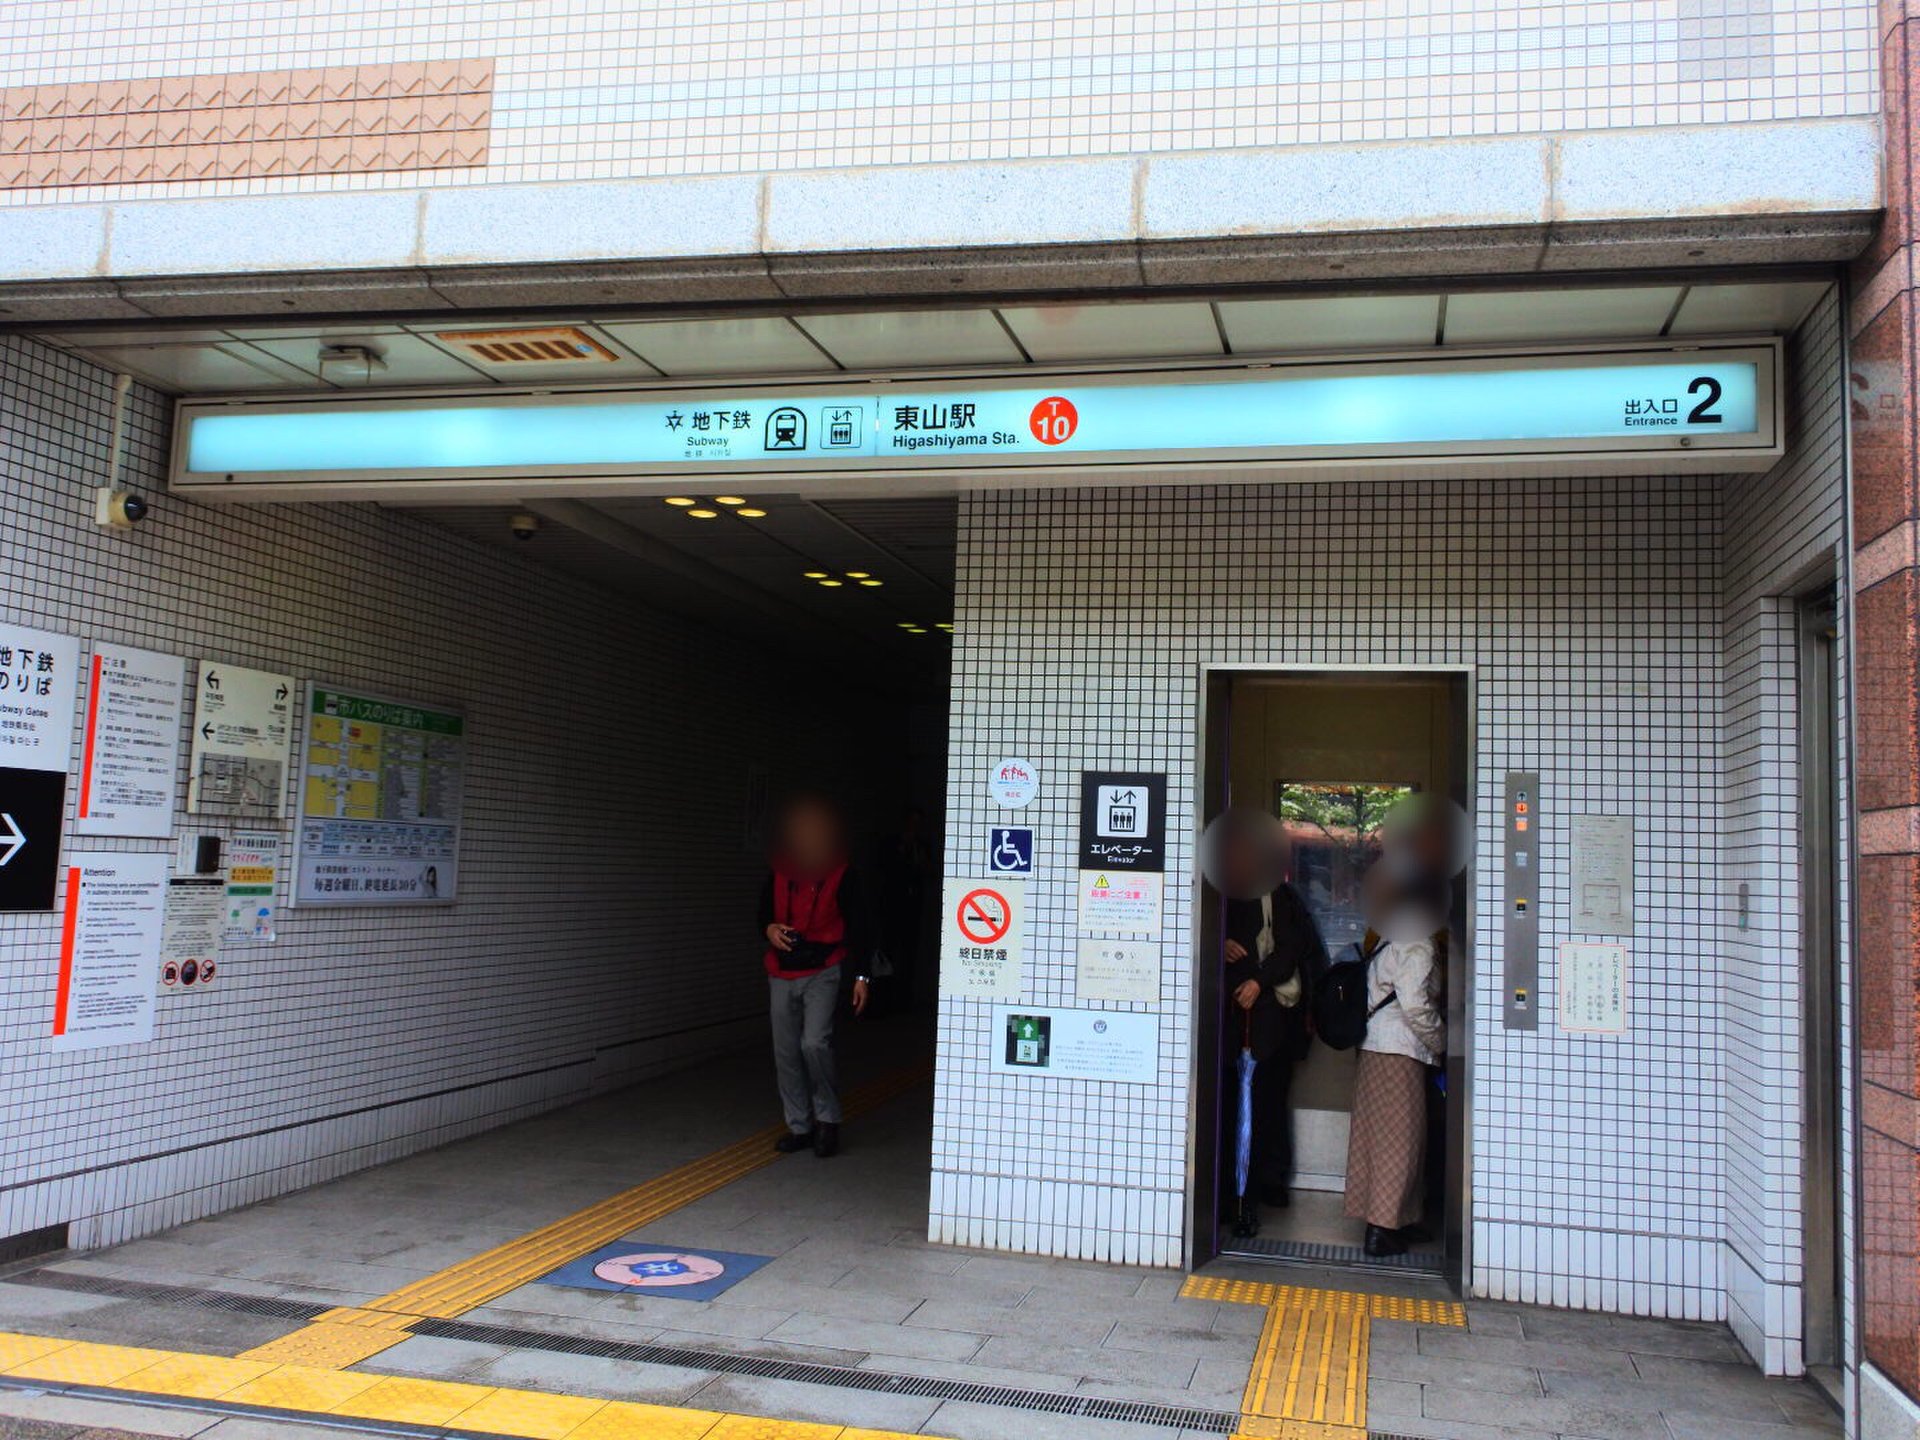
point(1386, 1144)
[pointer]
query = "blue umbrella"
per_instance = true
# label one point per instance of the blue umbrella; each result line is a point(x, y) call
point(1243, 1131)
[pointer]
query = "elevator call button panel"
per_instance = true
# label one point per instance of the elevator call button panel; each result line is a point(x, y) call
point(1520, 1003)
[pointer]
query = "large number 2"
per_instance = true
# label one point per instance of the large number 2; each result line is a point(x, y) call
point(1702, 414)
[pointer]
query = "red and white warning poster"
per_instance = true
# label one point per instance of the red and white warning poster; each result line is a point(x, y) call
point(109, 942)
point(981, 938)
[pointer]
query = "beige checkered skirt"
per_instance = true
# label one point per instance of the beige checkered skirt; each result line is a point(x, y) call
point(1387, 1140)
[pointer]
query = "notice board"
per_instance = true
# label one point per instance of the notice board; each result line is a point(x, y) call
point(380, 793)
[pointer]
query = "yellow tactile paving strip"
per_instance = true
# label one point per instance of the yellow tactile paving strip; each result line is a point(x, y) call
point(347, 1336)
point(1309, 1376)
point(302, 1390)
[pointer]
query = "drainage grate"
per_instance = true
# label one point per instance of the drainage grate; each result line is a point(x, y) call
point(841, 1377)
point(1313, 1252)
point(169, 1294)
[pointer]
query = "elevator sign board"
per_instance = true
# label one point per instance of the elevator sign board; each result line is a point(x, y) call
point(1633, 400)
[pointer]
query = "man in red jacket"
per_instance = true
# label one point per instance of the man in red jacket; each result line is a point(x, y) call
point(815, 917)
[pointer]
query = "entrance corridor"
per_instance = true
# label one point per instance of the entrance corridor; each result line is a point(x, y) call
point(421, 1298)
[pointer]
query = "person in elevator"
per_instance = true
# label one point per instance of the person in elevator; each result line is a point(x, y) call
point(1406, 1037)
point(1272, 949)
point(814, 916)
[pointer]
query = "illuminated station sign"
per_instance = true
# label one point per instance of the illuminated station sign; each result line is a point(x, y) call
point(1705, 398)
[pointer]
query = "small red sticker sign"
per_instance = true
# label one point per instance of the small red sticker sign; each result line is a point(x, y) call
point(1054, 420)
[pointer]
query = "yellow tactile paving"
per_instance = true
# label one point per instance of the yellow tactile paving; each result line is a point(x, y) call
point(85, 1363)
point(631, 1420)
point(531, 1413)
point(204, 1377)
point(756, 1427)
point(303, 1387)
point(413, 1401)
point(17, 1349)
point(1309, 1374)
point(349, 1335)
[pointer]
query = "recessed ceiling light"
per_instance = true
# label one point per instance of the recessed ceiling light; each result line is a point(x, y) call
point(943, 625)
point(917, 630)
point(870, 584)
point(747, 512)
point(703, 514)
point(729, 499)
point(858, 574)
point(831, 584)
point(816, 574)
point(681, 500)
point(907, 625)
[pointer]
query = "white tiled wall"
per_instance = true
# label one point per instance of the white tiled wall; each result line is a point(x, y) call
point(586, 90)
point(1783, 532)
point(1590, 612)
point(604, 927)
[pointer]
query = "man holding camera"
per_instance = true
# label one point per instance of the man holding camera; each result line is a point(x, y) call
point(814, 915)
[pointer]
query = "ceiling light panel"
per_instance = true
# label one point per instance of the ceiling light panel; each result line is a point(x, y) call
point(757, 345)
point(1342, 322)
point(1745, 309)
point(1114, 332)
point(1478, 317)
point(901, 340)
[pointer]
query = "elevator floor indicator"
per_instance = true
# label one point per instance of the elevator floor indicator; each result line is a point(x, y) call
point(656, 1269)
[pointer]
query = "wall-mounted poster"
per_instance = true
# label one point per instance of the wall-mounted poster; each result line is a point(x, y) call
point(380, 791)
point(242, 736)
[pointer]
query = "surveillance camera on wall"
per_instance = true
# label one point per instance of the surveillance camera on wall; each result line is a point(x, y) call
point(525, 526)
point(121, 508)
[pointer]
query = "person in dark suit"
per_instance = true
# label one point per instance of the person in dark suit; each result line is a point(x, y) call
point(1273, 952)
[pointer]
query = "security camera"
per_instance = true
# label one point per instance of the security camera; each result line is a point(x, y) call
point(525, 526)
point(119, 508)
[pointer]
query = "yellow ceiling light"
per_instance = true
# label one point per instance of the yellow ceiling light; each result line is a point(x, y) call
point(729, 499)
point(747, 512)
point(703, 514)
point(870, 584)
point(816, 574)
point(681, 500)
point(943, 625)
point(832, 584)
point(858, 574)
point(907, 625)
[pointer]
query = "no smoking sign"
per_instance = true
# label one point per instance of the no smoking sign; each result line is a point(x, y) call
point(982, 938)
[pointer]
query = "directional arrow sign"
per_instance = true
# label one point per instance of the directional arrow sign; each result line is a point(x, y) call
point(32, 806)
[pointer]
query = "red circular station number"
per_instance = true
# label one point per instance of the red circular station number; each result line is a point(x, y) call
point(1054, 420)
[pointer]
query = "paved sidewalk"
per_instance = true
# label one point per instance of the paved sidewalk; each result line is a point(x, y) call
point(1524, 1373)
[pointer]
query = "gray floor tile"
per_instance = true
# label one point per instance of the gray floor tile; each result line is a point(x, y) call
point(1024, 1352)
point(1554, 1415)
point(752, 1395)
point(878, 1339)
point(768, 1292)
point(1461, 1345)
point(961, 1421)
point(593, 1375)
point(103, 1414)
point(1746, 1402)
point(1020, 1320)
point(796, 1351)
point(1693, 1425)
point(1201, 1344)
point(1391, 1397)
point(1448, 1373)
point(429, 1355)
point(1422, 1428)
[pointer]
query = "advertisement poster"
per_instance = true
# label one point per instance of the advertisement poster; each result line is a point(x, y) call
point(1117, 970)
point(190, 938)
point(242, 743)
point(379, 802)
point(39, 685)
point(253, 872)
point(115, 913)
point(981, 938)
point(1077, 1044)
point(1120, 902)
point(131, 748)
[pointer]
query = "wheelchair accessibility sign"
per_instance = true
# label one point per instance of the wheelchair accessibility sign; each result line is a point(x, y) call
point(1010, 850)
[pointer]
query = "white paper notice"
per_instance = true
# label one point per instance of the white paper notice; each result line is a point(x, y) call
point(242, 731)
point(1111, 969)
point(190, 942)
point(981, 934)
point(115, 912)
point(1077, 1044)
point(39, 684)
point(1593, 988)
point(132, 746)
point(1120, 902)
point(1602, 874)
point(253, 871)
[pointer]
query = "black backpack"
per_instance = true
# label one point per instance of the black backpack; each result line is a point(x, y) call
point(1340, 1010)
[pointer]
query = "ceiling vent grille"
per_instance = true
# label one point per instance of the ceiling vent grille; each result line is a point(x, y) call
point(549, 345)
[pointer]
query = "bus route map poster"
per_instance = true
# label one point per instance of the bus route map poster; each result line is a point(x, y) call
point(380, 790)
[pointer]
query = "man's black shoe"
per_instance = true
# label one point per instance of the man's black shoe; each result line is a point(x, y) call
point(826, 1140)
point(1415, 1234)
point(791, 1143)
point(1382, 1242)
